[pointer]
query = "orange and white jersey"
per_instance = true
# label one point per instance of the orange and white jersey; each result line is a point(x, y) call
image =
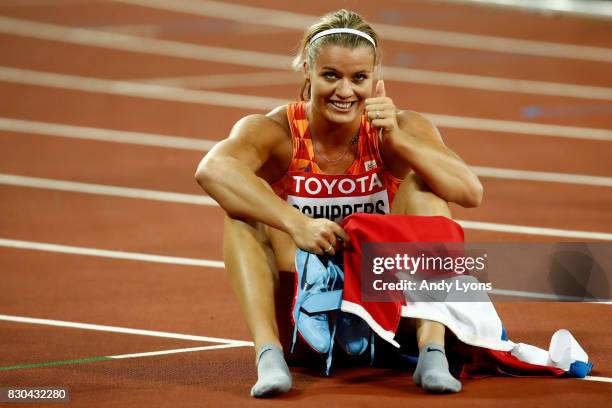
point(365, 187)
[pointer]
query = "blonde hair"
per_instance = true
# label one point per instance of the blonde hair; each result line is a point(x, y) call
point(308, 51)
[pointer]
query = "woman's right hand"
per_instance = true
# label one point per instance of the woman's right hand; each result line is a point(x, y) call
point(317, 235)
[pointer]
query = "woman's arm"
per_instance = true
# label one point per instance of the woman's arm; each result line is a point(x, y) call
point(410, 141)
point(227, 173)
point(419, 145)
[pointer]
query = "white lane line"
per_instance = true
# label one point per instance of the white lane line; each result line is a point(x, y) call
point(103, 189)
point(117, 329)
point(227, 343)
point(105, 253)
point(600, 379)
point(250, 344)
point(11, 179)
point(104, 135)
point(260, 79)
point(524, 229)
point(513, 174)
point(73, 250)
point(146, 139)
point(117, 41)
point(138, 44)
point(592, 9)
point(135, 89)
point(296, 21)
point(145, 30)
point(46, 3)
point(509, 126)
point(490, 83)
point(159, 92)
point(176, 351)
point(547, 296)
point(215, 81)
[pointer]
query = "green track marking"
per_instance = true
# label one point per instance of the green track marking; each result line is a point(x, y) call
point(55, 363)
point(121, 356)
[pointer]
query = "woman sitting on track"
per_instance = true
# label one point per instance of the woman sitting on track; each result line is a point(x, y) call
point(345, 124)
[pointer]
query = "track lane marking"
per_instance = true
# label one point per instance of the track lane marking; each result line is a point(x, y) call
point(103, 189)
point(138, 44)
point(550, 177)
point(107, 253)
point(398, 74)
point(597, 9)
point(524, 229)
point(217, 81)
point(136, 89)
point(104, 135)
point(60, 323)
point(54, 363)
point(119, 357)
point(74, 250)
point(87, 188)
point(177, 351)
point(148, 139)
point(225, 343)
point(118, 329)
point(496, 84)
point(547, 296)
point(261, 103)
point(593, 378)
point(297, 21)
point(45, 3)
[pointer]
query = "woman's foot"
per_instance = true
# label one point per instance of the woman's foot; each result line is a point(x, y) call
point(432, 371)
point(273, 376)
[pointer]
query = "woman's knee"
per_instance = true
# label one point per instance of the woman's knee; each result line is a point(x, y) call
point(238, 231)
point(284, 249)
point(247, 239)
point(414, 197)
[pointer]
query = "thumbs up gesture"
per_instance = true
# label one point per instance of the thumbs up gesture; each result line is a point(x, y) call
point(382, 113)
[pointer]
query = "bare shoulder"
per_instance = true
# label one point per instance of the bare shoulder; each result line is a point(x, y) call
point(279, 115)
point(416, 124)
point(258, 127)
point(264, 141)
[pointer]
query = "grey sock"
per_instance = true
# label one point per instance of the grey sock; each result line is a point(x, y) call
point(432, 371)
point(273, 376)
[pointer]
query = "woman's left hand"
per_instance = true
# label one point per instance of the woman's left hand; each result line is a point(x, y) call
point(382, 114)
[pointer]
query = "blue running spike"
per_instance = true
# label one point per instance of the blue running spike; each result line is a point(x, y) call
point(319, 291)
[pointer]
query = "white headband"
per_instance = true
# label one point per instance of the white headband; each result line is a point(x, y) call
point(342, 31)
